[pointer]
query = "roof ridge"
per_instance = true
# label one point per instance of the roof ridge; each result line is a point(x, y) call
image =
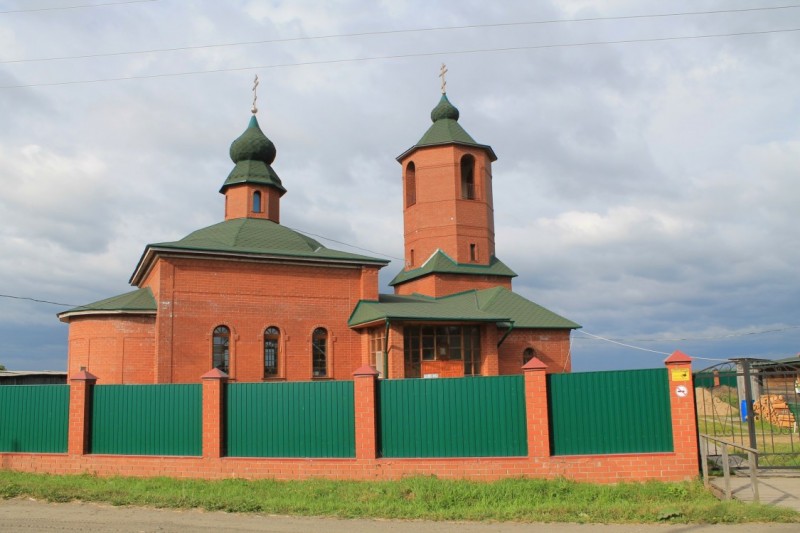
point(238, 233)
point(436, 253)
point(494, 292)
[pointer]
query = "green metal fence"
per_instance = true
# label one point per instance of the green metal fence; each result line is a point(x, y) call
point(307, 419)
point(459, 417)
point(147, 419)
point(34, 418)
point(610, 412)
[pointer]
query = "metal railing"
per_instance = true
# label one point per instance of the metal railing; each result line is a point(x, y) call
point(752, 460)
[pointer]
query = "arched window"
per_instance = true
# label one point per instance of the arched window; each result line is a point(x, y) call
point(221, 348)
point(411, 184)
point(272, 337)
point(257, 202)
point(319, 353)
point(527, 355)
point(468, 177)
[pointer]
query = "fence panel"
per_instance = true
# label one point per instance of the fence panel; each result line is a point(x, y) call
point(307, 419)
point(610, 412)
point(34, 418)
point(147, 419)
point(460, 417)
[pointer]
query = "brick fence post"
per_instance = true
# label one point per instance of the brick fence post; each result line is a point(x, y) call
point(213, 415)
point(682, 403)
point(536, 408)
point(366, 416)
point(80, 412)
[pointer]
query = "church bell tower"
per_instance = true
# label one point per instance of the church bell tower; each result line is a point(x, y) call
point(448, 211)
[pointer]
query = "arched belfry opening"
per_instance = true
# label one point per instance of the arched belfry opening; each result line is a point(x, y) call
point(468, 177)
point(411, 184)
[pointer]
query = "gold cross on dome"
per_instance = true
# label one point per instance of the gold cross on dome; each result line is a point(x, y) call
point(254, 110)
point(442, 72)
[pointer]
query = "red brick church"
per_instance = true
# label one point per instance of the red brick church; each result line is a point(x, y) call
point(262, 302)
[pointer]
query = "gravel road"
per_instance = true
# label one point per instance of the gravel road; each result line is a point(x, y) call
point(27, 515)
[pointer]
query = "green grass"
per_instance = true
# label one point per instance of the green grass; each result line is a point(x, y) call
point(525, 500)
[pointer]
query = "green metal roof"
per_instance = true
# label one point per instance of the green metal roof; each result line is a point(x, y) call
point(253, 154)
point(524, 313)
point(489, 305)
point(140, 301)
point(440, 262)
point(446, 130)
point(461, 307)
point(253, 237)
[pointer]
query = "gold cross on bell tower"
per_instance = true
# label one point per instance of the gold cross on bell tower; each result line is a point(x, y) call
point(254, 110)
point(442, 72)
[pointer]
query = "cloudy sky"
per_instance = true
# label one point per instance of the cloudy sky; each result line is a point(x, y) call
point(646, 188)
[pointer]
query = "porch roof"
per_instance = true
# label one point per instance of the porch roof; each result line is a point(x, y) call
point(489, 305)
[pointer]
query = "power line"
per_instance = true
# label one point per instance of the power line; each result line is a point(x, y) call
point(396, 56)
point(640, 348)
point(34, 300)
point(81, 6)
point(716, 337)
point(621, 343)
point(393, 32)
point(344, 243)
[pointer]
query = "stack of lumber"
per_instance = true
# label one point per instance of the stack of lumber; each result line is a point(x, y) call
point(772, 408)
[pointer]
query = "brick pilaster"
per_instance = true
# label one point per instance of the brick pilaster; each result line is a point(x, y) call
point(80, 412)
point(213, 414)
point(536, 408)
point(366, 418)
point(490, 365)
point(682, 403)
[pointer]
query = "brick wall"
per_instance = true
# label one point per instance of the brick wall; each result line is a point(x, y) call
point(248, 297)
point(438, 285)
point(681, 464)
point(443, 369)
point(120, 348)
point(551, 346)
point(196, 295)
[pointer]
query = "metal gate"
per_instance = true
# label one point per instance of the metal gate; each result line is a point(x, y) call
point(755, 403)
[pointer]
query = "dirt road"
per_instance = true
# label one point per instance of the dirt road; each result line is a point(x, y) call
point(26, 515)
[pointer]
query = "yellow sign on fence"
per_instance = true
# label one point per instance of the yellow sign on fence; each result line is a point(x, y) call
point(680, 375)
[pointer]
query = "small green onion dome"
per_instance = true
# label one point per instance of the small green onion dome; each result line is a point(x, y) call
point(444, 109)
point(253, 145)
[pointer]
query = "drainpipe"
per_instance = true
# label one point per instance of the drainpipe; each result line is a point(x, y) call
point(386, 351)
point(506, 334)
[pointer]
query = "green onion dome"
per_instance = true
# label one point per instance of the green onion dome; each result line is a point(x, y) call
point(444, 109)
point(253, 145)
